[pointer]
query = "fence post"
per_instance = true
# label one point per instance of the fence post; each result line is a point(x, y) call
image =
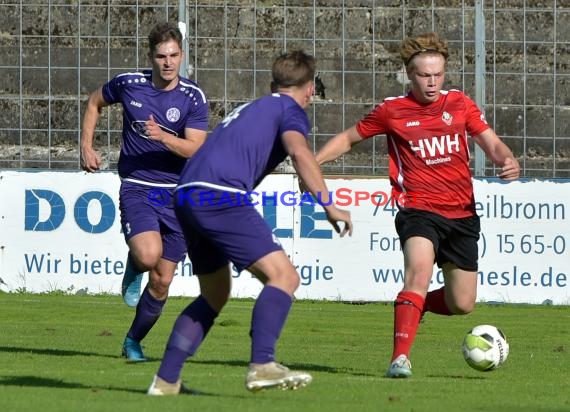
point(183, 26)
point(479, 77)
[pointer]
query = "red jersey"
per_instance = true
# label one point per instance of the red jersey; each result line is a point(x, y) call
point(427, 146)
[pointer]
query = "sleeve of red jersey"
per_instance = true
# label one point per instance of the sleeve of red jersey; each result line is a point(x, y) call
point(474, 118)
point(373, 123)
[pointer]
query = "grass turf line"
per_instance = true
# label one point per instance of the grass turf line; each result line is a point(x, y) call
point(62, 353)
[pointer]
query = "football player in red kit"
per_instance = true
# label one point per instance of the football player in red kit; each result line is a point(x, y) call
point(427, 132)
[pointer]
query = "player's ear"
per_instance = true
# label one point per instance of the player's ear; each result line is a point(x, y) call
point(309, 91)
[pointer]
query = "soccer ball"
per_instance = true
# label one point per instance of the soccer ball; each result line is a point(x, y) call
point(485, 348)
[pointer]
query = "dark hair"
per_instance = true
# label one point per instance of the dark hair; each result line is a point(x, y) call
point(428, 42)
point(163, 32)
point(294, 68)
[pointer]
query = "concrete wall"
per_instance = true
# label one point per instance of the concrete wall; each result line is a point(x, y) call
point(65, 51)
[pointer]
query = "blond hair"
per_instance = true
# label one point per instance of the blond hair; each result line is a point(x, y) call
point(428, 42)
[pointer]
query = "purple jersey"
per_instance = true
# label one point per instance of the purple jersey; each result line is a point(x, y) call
point(246, 146)
point(185, 106)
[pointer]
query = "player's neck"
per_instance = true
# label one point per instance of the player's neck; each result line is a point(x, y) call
point(163, 84)
point(296, 94)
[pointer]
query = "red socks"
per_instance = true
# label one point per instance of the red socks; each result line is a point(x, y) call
point(435, 302)
point(408, 308)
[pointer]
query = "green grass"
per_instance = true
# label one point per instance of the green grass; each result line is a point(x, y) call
point(61, 353)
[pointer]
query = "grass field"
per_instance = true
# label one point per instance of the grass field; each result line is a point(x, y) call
point(61, 353)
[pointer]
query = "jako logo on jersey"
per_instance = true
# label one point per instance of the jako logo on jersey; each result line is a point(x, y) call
point(447, 118)
point(482, 117)
point(136, 104)
point(436, 146)
point(413, 123)
point(173, 114)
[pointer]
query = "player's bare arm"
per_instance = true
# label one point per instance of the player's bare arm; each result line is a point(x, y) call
point(193, 138)
point(338, 145)
point(499, 153)
point(310, 173)
point(90, 159)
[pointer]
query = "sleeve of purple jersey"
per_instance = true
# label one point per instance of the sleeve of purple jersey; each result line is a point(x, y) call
point(111, 93)
point(295, 119)
point(198, 118)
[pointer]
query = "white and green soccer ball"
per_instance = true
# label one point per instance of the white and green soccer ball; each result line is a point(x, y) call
point(485, 348)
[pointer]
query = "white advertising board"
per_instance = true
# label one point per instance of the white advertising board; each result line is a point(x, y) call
point(61, 231)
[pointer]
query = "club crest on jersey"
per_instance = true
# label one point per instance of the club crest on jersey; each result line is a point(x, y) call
point(447, 118)
point(173, 114)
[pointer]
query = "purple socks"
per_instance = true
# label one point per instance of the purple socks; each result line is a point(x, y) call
point(268, 318)
point(190, 329)
point(147, 313)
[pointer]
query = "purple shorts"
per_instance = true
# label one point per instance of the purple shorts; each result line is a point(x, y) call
point(151, 209)
point(217, 234)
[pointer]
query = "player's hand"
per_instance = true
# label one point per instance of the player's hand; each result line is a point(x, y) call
point(90, 160)
point(335, 215)
point(153, 130)
point(511, 169)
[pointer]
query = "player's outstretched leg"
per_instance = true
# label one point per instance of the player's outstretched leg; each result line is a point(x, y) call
point(269, 315)
point(131, 286)
point(274, 375)
point(408, 307)
point(188, 333)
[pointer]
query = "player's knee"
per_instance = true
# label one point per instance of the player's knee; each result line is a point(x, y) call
point(294, 281)
point(147, 260)
point(159, 288)
point(418, 281)
point(288, 281)
point(160, 282)
point(463, 306)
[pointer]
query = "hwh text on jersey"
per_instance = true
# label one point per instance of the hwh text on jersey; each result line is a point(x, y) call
point(436, 146)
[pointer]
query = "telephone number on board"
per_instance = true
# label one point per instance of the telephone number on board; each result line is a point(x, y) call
point(531, 244)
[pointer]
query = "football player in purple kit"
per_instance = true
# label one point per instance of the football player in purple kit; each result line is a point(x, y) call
point(248, 144)
point(165, 120)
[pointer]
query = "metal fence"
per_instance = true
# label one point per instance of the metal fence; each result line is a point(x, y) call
point(54, 52)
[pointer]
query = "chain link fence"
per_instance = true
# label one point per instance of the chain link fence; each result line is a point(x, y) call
point(57, 51)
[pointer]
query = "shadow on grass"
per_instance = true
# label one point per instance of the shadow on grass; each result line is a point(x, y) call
point(307, 367)
point(52, 352)
point(63, 352)
point(462, 377)
point(41, 382)
point(37, 381)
